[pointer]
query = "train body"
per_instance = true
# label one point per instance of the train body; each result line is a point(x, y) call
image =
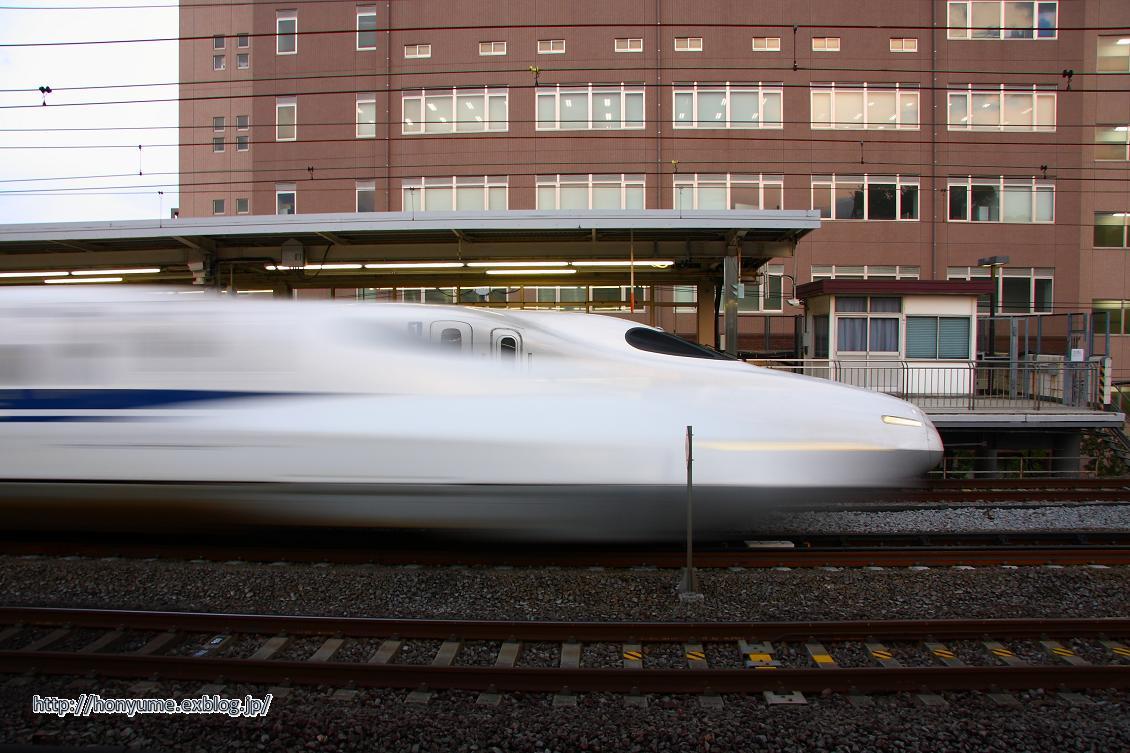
point(133, 407)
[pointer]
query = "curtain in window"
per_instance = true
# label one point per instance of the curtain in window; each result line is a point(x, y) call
point(851, 335)
point(884, 335)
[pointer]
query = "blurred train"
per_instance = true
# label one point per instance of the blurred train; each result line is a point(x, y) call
point(136, 408)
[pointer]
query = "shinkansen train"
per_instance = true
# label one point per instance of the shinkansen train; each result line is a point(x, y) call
point(133, 408)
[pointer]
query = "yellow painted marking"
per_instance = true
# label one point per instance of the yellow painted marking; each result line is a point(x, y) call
point(1002, 652)
point(760, 657)
point(823, 659)
point(1063, 651)
point(696, 655)
point(765, 666)
point(633, 655)
point(882, 654)
point(1121, 651)
point(945, 653)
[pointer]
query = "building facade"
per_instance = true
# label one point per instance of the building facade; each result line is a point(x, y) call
point(930, 134)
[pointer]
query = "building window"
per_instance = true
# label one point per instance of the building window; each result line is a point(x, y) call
point(366, 116)
point(243, 60)
point(938, 337)
point(1110, 230)
point(217, 206)
point(243, 41)
point(551, 46)
point(286, 198)
point(218, 42)
point(1014, 200)
point(726, 106)
point(867, 197)
point(492, 48)
point(688, 44)
point(455, 194)
point(242, 206)
point(242, 143)
point(728, 191)
point(618, 191)
point(218, 124)
point(367, 28)
point(1112, 316)
point(286, 32)
point(1001, 108)
point(217, 143)
point(417, 50)
point(864, 272)
point(904, 44)
point(825, 44)
point(864, 107)
point(582, 108)
point(1020, 290)
point(1112, 143)
point(1114, 54)
point(764, 295)
point(867, 324)
point(616, 298)
point(628, 45)
point(454, 111)
point(766, 44)
point(366, 191)
point(218, 63)
point(286, 119)
point(1002, 19)
point(243, 122)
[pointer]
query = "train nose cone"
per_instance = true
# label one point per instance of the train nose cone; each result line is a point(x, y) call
point(910, 431)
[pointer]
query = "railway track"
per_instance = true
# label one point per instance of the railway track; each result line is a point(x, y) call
point(886, 550)
point(783, 660)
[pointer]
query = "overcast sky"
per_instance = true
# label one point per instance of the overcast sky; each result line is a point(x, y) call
point(27, 128)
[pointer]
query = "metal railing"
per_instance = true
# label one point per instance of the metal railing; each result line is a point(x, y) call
point(966, 385)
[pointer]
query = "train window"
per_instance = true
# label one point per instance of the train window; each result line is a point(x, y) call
point(656, 341)
point(507, 348)
point(451, 336)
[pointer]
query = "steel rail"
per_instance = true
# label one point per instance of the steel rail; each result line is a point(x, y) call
point(555, 679)
point(375, 627)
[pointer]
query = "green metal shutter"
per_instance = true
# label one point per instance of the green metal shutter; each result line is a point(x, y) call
point(953, 337)
point(921, 337)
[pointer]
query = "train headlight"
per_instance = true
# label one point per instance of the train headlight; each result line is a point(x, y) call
point(900, 421)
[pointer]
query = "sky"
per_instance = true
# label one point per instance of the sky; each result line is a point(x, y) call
point(40, 165)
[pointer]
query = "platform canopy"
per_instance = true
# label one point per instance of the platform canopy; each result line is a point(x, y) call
point(385, 249)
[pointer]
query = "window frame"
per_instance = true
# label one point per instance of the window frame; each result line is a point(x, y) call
point(366, 11)
point(367, 186)
point(1124, 216)
point(771, 44)
point(868, 315)
point(826, 44)
point(1001, 184)
point(413, 191)
point(219, 63)
point(937, 337)
point(242, 142)
point(689, 44)
point(1124, 144)
point(590, 91)
point(243, 41)
point(1000, 92)
point(628, 44)
point(246, 205)
point(219, 204)
point(219, 42)
point(550, 46)
point(422, 96)
point(243, 61)
point(418, 51)
point(966, 32)
point(900, 181)
point(762, 89)
point(904, 93)
point(282, 103)
point(218, 145)
point(591, 181)
point(1034, 276)
point(899, 44)
point(865, 272)
point(282, 16)
point(493, 50)
point(282, 189)
point(366, 99)
point(696, 181)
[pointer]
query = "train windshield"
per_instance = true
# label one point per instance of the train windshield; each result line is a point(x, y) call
point(655, 341)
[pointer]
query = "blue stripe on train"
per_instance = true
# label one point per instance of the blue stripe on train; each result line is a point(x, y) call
point(120, 399)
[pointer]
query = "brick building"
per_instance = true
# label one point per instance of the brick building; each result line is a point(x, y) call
point(929, 133)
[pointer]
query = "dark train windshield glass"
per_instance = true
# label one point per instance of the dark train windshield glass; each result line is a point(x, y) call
point(654, 341)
